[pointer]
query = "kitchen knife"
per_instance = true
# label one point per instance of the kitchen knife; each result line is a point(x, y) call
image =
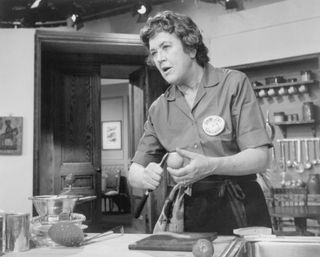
point(147, 192)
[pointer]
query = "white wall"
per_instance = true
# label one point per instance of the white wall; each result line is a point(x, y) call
point(16, 99)
point(114, 107)
point(280, 30)
point(260, 32)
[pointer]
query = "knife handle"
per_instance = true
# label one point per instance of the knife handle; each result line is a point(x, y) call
point(139, 209)
point(147, 192)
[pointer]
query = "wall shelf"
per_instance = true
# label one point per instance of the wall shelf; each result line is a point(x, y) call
point(286, 84)
point(285, 124)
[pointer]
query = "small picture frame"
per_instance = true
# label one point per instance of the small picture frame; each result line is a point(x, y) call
point(111, 135)
point(11, 135)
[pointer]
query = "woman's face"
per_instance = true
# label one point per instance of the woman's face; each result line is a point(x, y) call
point(169, 56)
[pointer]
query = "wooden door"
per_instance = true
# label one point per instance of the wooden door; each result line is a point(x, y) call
point(71, 134)
point(146, 84)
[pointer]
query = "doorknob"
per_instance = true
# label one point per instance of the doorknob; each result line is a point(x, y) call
point(98, 169)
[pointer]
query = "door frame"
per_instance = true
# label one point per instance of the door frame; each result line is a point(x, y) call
point(74, 42)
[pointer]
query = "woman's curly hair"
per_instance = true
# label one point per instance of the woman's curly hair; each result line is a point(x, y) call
point(183, 27)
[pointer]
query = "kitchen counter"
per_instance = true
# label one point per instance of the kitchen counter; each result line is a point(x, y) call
point(113, 246)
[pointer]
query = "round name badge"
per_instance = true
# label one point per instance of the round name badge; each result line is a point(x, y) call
point(213, 125)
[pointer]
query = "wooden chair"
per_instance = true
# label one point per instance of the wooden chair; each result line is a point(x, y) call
point(287, 197)
point(112, 188)
point(115, 191)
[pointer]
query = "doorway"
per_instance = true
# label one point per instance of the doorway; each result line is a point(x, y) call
point(115, 158)
point(69, 67)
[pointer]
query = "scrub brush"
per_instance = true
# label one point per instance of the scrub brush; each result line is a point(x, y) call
point(69, 234)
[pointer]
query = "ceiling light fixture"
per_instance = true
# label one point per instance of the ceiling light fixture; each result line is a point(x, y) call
point(74, 20)
point(234, 4)
point(74, 17)
point(35, 4)
point(143, 9)
point(228, 4)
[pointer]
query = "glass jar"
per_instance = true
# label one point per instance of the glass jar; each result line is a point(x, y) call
point(308, 111)
point(305, 75)
point(279, 116)
point(314, 184)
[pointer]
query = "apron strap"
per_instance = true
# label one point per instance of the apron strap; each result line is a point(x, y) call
point(235, 196)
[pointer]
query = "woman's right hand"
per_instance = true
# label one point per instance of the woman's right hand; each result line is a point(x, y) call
point(152, 176)
point(148, 177)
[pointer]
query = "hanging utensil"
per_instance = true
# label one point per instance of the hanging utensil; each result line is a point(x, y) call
point(281, 162)
point(315, 160)
point(295, 161)
point(269, 127)
point(289, 161)
point(308, 164)
point(284, 168)
point(300, 165)
point(147, 192)
point(318, 155)
point(271, 133)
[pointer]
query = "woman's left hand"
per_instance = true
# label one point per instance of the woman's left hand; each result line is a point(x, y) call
point(196, 169)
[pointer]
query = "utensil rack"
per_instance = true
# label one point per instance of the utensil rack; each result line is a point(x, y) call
point(298, 139)
point(298, 155)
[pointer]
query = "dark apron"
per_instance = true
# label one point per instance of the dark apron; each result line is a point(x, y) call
point(223, 203)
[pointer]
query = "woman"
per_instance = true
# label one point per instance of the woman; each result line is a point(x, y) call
point(210, 117)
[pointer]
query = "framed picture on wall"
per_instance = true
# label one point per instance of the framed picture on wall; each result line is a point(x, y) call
point(111, 135)
point(11, 135)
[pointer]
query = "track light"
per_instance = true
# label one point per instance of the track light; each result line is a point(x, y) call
point(74, 20)
point(35, 4)
point(143, 9)
point(234, 4)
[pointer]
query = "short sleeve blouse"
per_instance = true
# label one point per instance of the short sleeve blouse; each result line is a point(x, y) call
point(222, 93)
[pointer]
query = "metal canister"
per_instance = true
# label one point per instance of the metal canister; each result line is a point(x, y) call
point(305, 75)
point(314, 184)
point(279, 116)
point(308, 111)
point(17, 232)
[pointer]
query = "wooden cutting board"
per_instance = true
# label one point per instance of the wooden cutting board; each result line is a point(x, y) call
point(168, 241)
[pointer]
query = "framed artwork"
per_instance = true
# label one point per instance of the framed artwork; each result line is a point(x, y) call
point(11, 135)
point(111, 135)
